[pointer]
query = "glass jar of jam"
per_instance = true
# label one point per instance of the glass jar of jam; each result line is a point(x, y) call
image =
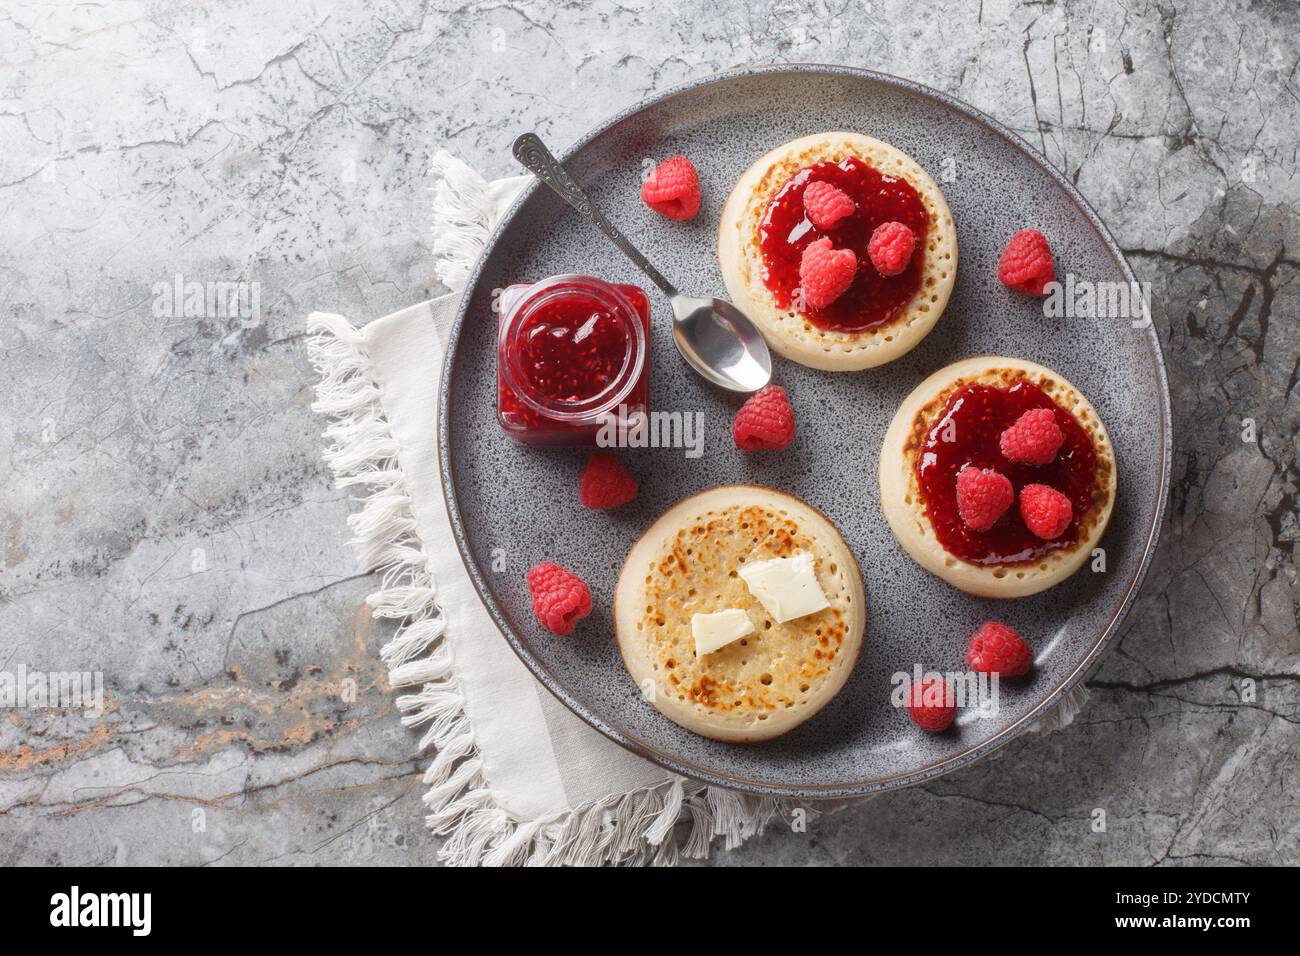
point(572, 354)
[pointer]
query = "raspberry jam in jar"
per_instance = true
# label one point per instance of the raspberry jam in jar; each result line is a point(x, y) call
point(872, 300)
point(572, 352)
point(967, 432)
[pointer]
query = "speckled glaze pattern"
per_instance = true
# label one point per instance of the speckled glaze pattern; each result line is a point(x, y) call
point(519, 505)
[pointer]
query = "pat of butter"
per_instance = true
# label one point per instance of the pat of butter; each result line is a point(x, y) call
point(786, 587)
point(716, 630)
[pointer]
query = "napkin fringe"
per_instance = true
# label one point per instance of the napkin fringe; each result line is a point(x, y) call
point(1064, 713)
point(654, 825)
point(463, 209)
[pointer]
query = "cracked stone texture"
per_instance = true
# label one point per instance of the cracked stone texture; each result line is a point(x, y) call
point(166, 518)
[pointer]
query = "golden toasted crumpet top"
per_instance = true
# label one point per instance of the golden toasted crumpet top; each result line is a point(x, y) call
point(788, 331)
point(688, 563)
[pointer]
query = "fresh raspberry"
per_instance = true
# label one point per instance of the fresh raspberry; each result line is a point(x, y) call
point(932, 704)
point(605, 483)
point(560, 597)
point(983, 496)
point(765, 421)
point(1046, 511)
point(826, 272)
point(891, 248)
point(998, 649)
point(673, 189)
point(826, 204)
point(1034, 439)
point(1026, 263)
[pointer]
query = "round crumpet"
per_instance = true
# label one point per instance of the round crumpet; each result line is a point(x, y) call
point(906, 509)
point(789, 331)
point(687, 563)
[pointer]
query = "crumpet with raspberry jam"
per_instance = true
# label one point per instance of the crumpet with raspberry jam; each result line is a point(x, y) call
point(768, 223)
point(955, 420)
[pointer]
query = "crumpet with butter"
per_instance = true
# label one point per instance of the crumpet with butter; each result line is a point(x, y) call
point(740, 613)
point(840, 248)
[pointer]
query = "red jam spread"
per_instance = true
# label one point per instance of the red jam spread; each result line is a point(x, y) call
point(571, 352)
point(978, 415)
point(873, 300)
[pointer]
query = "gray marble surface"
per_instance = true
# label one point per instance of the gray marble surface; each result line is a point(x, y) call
point(166, 518)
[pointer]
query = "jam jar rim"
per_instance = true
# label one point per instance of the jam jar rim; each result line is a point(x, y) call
point(608, 295)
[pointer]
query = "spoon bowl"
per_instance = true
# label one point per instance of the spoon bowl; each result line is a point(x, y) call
point(721, 343)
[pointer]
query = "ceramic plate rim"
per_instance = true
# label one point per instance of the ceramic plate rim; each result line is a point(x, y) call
point(801, 790)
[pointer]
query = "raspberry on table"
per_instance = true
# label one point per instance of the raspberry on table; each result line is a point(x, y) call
point(1034, 439)
point(825, 273)
point(932, 704)
point(1046, 511)
point(998, 649)
point(1026, 263)
point(891, 248)
point(765, 421)
point(673, 189)
point(605, 483)
point(560, 598)
point(983, 496)
point(826, 204)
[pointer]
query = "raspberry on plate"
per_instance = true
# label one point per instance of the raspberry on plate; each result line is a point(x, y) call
point(891, 247)
point(826, 204)
point(825, 273)
point(605, 483)
point(1046, 511)
point(983, 496)
point(560, 597)
point(932, 704)
point(998, 649)
point(765, 421)
point(1034, 439)
point(1026, 263)
point(673, 189)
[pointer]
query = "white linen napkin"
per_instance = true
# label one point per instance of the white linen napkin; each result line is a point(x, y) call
point(516, 778)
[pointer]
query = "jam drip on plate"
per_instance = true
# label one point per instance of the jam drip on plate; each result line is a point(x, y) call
point(973, 419)
point(873, 300)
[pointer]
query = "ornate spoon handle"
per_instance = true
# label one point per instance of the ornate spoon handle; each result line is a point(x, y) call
point(533, 154)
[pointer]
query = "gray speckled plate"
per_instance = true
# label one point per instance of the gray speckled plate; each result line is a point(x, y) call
point(524, 501)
